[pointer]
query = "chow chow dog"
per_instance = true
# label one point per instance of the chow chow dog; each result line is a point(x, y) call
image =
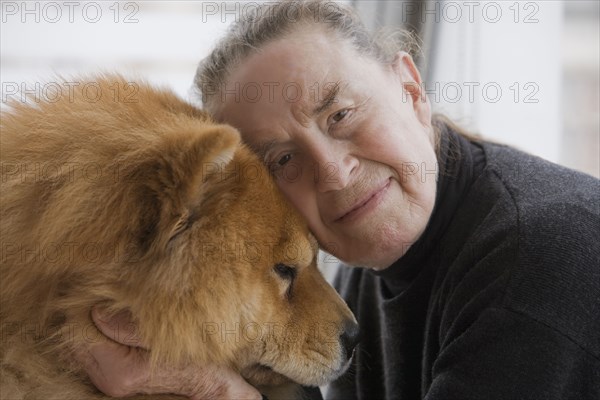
point(120, 194)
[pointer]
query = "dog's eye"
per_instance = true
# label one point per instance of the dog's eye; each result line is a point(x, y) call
point(285, 272)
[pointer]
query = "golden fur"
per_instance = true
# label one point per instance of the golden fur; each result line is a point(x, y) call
point(142, 203)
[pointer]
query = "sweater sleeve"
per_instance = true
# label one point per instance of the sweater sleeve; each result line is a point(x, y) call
point(506, 355)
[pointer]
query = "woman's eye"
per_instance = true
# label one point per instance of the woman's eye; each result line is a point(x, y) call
point(284, 160)
point(340, 115)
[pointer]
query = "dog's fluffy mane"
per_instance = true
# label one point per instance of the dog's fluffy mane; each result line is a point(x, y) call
point(117, 198)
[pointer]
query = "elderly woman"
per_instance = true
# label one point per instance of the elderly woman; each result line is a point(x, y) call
point(475, 266)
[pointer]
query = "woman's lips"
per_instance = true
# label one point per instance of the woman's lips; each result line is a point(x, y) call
point(366, 204)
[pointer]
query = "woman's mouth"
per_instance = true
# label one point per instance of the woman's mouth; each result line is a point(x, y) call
point(366, 204)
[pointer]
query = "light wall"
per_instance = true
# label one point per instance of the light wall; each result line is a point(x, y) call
point(158, 40)
point(523, 73)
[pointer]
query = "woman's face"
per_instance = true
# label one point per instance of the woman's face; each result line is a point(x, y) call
point(348, 139)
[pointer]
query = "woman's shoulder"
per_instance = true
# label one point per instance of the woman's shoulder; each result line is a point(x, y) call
point(550, 216)
point(534, 181)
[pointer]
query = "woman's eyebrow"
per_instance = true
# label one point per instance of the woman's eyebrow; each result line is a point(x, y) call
point(331, 93)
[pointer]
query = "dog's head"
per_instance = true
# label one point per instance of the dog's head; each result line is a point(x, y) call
point(190, 235)
point(231, 266)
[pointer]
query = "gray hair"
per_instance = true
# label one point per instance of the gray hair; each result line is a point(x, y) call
point(273, 20)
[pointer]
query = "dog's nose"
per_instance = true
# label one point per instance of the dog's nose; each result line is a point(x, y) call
point(349, 337)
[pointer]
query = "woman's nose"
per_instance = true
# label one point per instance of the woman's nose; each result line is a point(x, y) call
point(334, 168)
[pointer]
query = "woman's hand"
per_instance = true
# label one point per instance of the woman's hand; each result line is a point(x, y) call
point(120, 368)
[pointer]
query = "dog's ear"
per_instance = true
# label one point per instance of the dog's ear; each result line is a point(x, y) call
point(175, 178)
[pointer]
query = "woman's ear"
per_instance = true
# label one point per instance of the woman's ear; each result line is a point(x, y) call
point(406, 70)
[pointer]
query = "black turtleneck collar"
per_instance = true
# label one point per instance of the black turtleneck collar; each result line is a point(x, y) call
point(460, 162)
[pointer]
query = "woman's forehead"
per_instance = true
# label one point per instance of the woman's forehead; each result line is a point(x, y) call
point(288, 81)
point(303, 57)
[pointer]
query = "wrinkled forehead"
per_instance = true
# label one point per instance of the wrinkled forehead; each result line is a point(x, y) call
point(283, 82)
point(288, 71)
point(302, 56)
